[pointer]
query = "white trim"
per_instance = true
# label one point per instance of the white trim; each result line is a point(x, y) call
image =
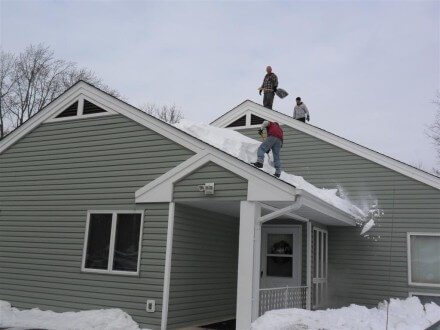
point(110, 104)
point(408, 253)
point(309, 266)
point(428, 294)
point(80, 106)
point(323, 135)
point(260, 187)
point(167, 276)
point(80, 109)
point(249, 213)
point(109, 269)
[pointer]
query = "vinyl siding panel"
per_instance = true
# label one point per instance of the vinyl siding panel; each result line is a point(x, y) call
point(228, 186)
point(364, 270)
point(203, 282)
point(48, 181)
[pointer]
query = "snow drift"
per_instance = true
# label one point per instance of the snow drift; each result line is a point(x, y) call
point(407, 314)
point(245, 148)
point(94, 319)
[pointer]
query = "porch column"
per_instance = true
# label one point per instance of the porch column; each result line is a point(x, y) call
point(309, 266)
point(247, 277)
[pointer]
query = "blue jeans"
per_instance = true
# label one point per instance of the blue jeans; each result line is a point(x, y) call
point(271, 143)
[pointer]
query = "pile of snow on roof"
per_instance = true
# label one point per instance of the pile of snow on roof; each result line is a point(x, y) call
point(407, 314)
point(245, 148)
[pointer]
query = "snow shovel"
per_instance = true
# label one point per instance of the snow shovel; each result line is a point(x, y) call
point(281, 93)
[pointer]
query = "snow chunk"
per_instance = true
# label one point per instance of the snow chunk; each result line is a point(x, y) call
point(408, 314)
point(367, 226)
point(94, 319)
point(245, 148)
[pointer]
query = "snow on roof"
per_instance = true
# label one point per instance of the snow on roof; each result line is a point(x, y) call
point(245, 148)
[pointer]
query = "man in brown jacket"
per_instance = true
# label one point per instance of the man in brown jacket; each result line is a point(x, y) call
point(269, 87)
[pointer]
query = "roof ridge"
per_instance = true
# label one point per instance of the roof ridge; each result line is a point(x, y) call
point(323, 131)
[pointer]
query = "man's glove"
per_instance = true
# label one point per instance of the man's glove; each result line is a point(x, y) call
point(308, 117)
point(259, 92)
point(275, 89)
point(260, 131)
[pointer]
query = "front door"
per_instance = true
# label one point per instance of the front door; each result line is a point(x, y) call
point(281, 256)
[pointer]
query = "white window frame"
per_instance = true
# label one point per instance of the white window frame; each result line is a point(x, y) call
point(408, 252)
point(79, 112)
point(109, 269)
point(414, 293)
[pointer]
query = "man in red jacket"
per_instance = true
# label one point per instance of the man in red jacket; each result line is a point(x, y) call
point(274, 142)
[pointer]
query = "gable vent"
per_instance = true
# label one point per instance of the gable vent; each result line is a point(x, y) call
point(90, 108)
point(239, 122)
point(255, 120)
point(70, 111)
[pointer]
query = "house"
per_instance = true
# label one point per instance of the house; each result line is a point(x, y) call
point(104, 206)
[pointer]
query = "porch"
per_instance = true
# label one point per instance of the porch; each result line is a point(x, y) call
point(282, 252)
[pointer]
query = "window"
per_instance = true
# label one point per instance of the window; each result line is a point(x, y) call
point(279, 255)
point(424, 259)
point(70, 111)
point(239, 122)
point(90, 108)
point(255, 120)
point(112, 242)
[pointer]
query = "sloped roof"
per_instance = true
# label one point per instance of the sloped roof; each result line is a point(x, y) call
point(249, 107)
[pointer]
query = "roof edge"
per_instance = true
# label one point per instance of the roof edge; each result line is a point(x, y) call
point(336, 140)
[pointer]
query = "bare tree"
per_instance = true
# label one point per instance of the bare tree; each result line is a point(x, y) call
point(168, 113)
point(32, 79)
point(7, 82)
point(434, 133)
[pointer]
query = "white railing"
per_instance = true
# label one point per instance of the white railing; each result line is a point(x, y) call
point(279, 298)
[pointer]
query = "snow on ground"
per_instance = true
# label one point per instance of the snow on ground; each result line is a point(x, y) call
point(245, 148)
point(105, 319)
point(407, 314)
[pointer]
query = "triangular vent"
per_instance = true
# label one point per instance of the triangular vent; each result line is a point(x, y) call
point(239, 122)
point(70, 111)
point(90, 108)
point(255, 120)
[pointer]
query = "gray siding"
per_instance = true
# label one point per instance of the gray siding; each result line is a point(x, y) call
point(228, 186)
point(204, 267)
point(365, 270)
point(48, 181)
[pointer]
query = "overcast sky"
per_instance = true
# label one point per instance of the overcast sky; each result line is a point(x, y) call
point(367, 70)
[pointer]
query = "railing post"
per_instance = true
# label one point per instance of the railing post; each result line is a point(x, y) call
point(285, 296)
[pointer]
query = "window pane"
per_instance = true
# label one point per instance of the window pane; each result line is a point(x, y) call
point(127, 242)
point(279, 244)
point(425, 259)
point(279, 266)
point(98, 242)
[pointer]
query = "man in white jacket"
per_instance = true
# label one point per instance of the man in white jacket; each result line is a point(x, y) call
point(301, 112)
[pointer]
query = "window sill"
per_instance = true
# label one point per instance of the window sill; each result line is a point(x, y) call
point(109, 272)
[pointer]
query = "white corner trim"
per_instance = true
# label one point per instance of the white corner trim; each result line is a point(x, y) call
point(408, 254)
point(260, 185)
point(386, 161)
point(167, 274)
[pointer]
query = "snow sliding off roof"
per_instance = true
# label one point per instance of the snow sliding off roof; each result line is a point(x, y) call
point(245, 149)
